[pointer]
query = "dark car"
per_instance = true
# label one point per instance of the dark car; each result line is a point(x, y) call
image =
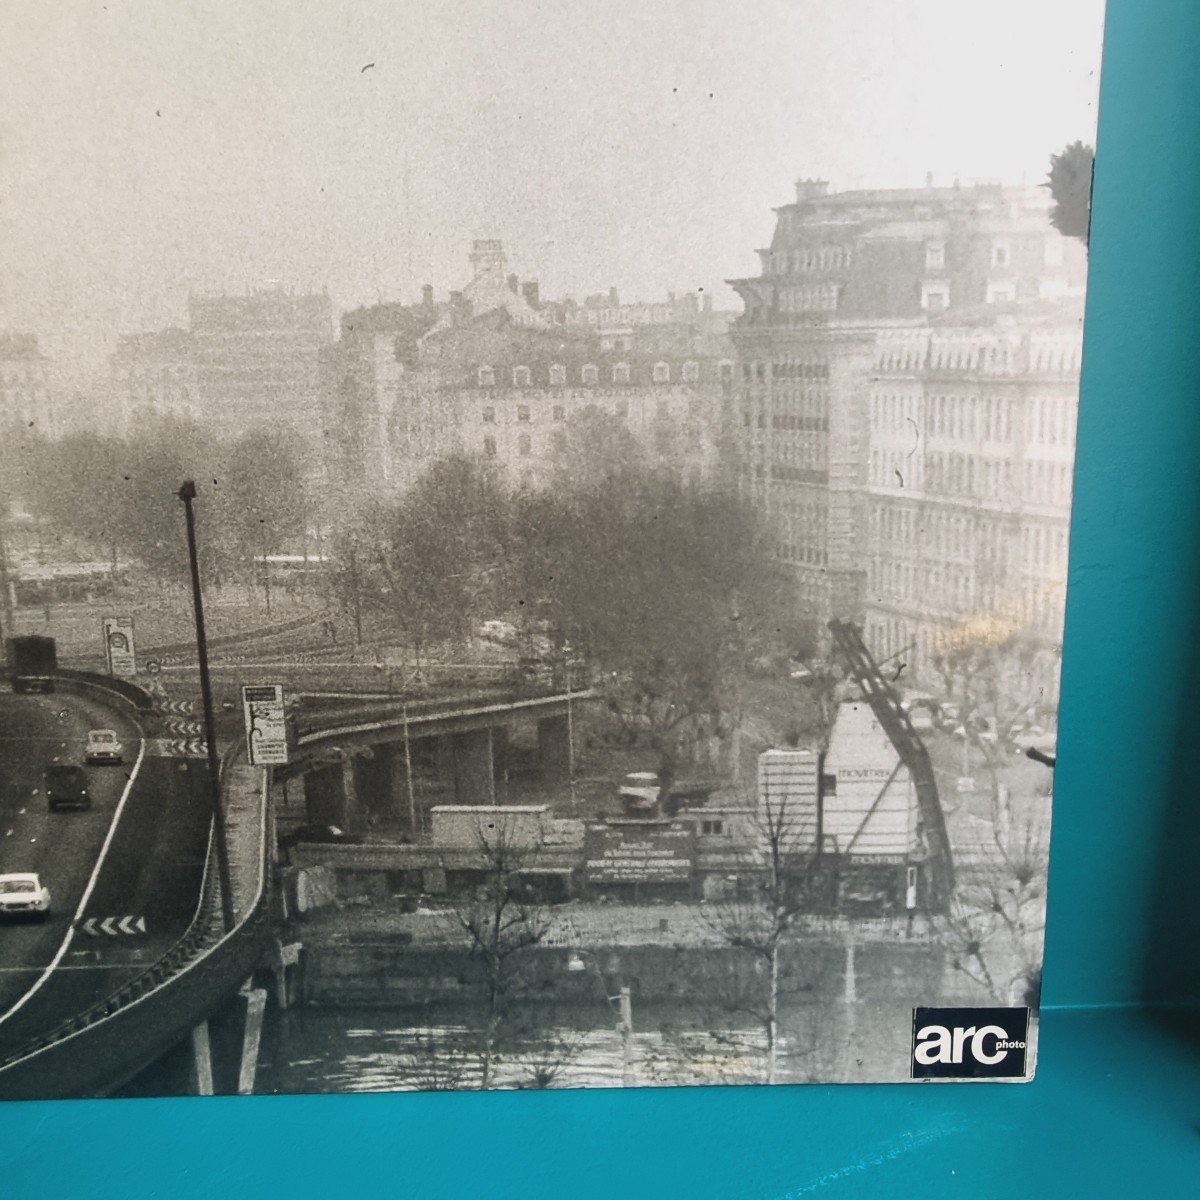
point(67, 787)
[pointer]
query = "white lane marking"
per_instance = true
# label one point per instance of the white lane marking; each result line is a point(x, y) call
point(87, 891)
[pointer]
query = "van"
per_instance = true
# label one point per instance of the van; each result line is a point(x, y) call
point(66, 787)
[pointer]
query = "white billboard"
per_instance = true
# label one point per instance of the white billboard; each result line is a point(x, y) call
point(266, 729)
point(118, 646)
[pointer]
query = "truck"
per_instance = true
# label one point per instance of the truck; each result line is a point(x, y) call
point(31, 661)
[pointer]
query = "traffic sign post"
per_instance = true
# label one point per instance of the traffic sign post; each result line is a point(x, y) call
point(119, 649)
point(266, 725)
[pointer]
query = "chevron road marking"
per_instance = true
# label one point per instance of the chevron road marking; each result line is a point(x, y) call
point(178, 747)
point(114, 926)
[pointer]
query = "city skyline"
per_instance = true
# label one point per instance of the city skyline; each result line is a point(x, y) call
point(188, 171)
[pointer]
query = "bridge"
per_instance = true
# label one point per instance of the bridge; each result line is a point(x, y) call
point(136, 958)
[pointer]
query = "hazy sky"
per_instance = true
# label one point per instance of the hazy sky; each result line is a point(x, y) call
point(149, 148)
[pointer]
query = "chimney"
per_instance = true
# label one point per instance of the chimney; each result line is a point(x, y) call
point(529, 289)
point(427, 295)
point(456, 300)
point(613, 298)
point(512, 284)
point(929, 179)
point(707, 303)
point(810, 189)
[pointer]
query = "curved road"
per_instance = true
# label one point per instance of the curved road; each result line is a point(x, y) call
point(135, 857)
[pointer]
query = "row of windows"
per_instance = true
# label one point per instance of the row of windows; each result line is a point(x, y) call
point(823, 298)
point(785, 368)
point(1000, 254)
point(973, 419)
point(809, 258)
point(590, 374)
point(970, 475)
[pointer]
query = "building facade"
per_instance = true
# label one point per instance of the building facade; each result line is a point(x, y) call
point(25, 385)
point(257, 359)
point(907, 381)
point(153, 375)
point(497, 372)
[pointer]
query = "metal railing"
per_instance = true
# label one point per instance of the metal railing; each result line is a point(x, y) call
point(99, 1048)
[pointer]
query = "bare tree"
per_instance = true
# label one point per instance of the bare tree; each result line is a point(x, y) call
point(503, 919)
point(996, 924)
point(771, 891)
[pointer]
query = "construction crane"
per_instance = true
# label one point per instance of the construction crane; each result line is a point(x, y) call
point(888, 711)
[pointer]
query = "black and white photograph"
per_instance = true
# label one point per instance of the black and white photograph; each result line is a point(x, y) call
point(533, 539)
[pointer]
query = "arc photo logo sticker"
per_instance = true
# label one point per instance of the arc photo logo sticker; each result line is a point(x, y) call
point(969, 1043)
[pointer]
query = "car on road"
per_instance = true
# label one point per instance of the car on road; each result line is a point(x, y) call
point(67, 787)
point(103, 746)
point(23, 895)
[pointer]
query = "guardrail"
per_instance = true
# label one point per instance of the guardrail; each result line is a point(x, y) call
point(102, 1047)
point(141, 700)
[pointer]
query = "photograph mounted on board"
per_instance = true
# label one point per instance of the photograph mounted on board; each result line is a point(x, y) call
point(591, 486)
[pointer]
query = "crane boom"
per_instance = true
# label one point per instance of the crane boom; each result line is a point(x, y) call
point(885, 704)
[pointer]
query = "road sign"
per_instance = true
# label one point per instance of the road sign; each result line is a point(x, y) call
point(266, 728)
point(114, 926)
point(118, 646)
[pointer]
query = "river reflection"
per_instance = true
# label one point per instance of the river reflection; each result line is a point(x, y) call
point(365, 1051)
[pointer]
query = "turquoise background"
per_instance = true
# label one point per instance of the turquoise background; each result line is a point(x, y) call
point(1115, 1108)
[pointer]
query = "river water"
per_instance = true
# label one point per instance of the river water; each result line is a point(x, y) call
point(368, 1050)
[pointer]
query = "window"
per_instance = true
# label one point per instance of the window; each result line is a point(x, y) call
point(1001, 254)
point(622, 408)
point(1001, 293)
point(560, 413)
point(662, 372)
point(558, 439)
point(691, 372)
point(489, 416)
point(489, 447)
point(520, 376)
point(522, 412)
point(558, 375)
point(487, 377)
point(524, 443)
point(620, 373)
point(935, 256)
point(589, 374)
point(935, 297)
point(712, 827)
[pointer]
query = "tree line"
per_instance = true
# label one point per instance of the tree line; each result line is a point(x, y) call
point(114, 497)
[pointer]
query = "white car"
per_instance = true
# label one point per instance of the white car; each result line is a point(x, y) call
point(23, 895)
point(103, 746)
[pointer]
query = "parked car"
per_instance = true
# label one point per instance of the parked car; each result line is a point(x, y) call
point(503, 632)
point(1034, 737)
point(67, 787)
point(639, 792)
point(23, 895)
point(103, 746)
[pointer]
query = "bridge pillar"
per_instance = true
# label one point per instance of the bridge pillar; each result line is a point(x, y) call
point(474, 772)
point(202, 1064)
point(352, 812)
point(256, 1001)
point(554, 749)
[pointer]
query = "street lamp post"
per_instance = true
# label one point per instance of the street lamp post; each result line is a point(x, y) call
point(187, 493)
